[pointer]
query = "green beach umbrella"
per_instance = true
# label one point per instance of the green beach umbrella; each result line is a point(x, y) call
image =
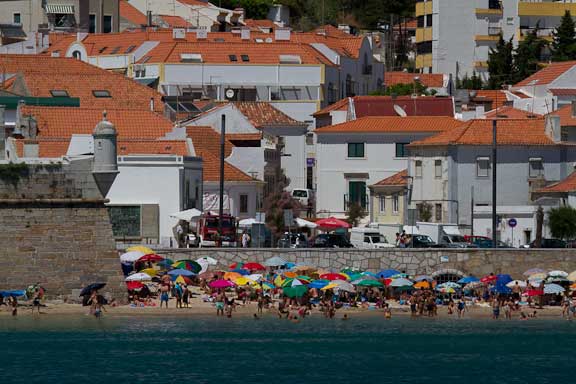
point(369, 283)
point(296, 291)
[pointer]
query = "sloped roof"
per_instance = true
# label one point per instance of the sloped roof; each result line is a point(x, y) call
point(397, 179)
point(207, 139)
point(131, 13)
point(175, 21)
point(508, 112)
point(340, 105)
point(432, 80)
point(389, 124)
point(563, 186)
point(548, 74)
point(211, 168)
point(497, 97)
point(262, 114)
point(529, 132)
point(563, 91)
point(566, 117)
point(63, 122)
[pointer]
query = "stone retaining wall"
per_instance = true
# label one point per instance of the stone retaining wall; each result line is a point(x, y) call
point(478, 262)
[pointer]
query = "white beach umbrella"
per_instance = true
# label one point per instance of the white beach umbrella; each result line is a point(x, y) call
point(301, 223)
point(535, 282)
point(275, 261)
point(208, 260)
point(139, 277)
point(553, 289)
point(401, 282)
point(558, 274)
point(521, 284)
point(132, 256)
point(255, 277)
point(572, 276)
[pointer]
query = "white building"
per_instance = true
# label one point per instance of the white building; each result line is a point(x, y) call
point(354, 155)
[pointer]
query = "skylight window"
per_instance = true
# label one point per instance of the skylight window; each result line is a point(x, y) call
point(245, 58)
point(59, 93)
point(190, 58)
point(290, 59)
point(233, 57)
point(101, 93)
point(130, 49)
point(102, 49)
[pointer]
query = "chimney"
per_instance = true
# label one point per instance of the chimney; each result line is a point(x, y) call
point(149, 18)
point(151, 104)
point(573, 108)
point(553, 128)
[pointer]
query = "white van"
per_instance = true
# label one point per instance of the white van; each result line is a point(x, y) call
point(303, 196)
point(368, 238)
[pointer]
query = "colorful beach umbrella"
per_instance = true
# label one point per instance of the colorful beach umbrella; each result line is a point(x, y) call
point(182, 280)
point(151, 257)
point(231, 276)
point(190, 265)
point(166, 263)
point(87, 290)
point(241, 271)
point(180, 271)
point(333, 276)
point(134, 285)
point(558, 274)
point(150, 271)
point(553, 289)
point(538, 276)
point(468, 279)
point(343, 285)
point(534, 292)
point(449, 284)
point(489, 279)
point(369, 283)
point(571, 276)
point(295, 291)
point(253, 267)
point(332, 223)
point(140, 248)
point(318, 284)
point(221, 284)
point(532, 271)
point(400, 283)
point(236, 265)
point(521, 284)
point(422, 285)
point(207, 259)
point(139, 277)
point(387, 273)
point(329, 286)
point(244, 281)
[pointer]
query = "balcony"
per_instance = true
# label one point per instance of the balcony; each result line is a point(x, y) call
point(544, 33)
point(545, 8)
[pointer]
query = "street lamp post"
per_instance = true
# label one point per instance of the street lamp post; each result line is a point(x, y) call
point(494, 153)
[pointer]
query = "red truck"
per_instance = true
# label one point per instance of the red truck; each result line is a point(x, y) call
point(207, 231)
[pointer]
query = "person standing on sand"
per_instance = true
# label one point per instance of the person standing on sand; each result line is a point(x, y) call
point(495, 308)
point(164, 295)
point(36, 299)
point(185, 296)
point(260, 304)
point(220, 299)
point(14, 305)
point(461, 308)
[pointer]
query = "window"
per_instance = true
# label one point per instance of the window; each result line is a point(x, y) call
point(437, 168)
point(401, 150)
point(77, 55)
point(190, 58)
point(125, 220)
point(482, 166)
point(438, 213)
point(395, 203)
point(429, 20)
point(130, 49)
point(424, 47)
point(536, 167)
point(245, 58)
point(101, 93)
point(232, 57)
point(103, 49)
point(418, 168)
point(243, 203)
point(59, 93)
point(349, 86)
point(420, 22)
point(107, 24)
point(355, 149)
point(309, 139)
point(382, 201)
point(17, 18)
point(357, 193)
point(92, 24)
point(290, 59)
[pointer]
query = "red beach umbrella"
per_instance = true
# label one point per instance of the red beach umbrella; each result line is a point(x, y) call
point(489, 279)
point(332, 223)
point(131, 285)
point(151, 257)
point(253, 267)
point(333, 276)
point(534, 292)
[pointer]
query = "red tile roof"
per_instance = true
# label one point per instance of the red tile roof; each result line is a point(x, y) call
point(389, 124)
point(63, 122)
point(175, 21)
point(566, 117)
point(262, 114)
point(566, 185)
point(409, 24)
point(131, 13)
point(197, 3)
point(563, 91)
point(397, 179)
point(41, 74)
point(431, 80)
point(244, 136)
point(340, 105)
point(207, 139)
point(479, 132)
point(508, 112)
point(496, 97)
point(548, 74)
point(211, 168)
point(256, 24)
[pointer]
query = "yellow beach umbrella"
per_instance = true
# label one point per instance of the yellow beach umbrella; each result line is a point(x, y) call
point(149, 271)
point(422, 284)
point(141, 248)
point(243, 281)
point(329, 286)
point(572, 276)
point(278, 281)
point(231, 275)
point(180, 280)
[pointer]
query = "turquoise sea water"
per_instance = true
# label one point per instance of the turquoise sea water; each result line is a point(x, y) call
point(244, 350)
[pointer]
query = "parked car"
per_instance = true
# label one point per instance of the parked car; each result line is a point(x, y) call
point(331, 240)
point(488, 243)
point(303, 195)
point(422, 241)
point(455, 241)
point(293, 240)
point(368, 238)
point(472, 239)
point(548, 243)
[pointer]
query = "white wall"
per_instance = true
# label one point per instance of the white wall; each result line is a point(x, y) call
point(233, 191)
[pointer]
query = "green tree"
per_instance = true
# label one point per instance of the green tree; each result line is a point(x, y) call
point(424, 211)
point(276, 202)
point(527, 56)
point(500, 63)
point(474, 82)
point(562, 222)
point(403, 90)
point(354, 214)
point(564, 44)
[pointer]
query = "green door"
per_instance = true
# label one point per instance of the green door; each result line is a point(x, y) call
point(357, 193)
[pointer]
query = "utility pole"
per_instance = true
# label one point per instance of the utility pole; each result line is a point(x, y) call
point(222, 153)
point(494, 161)
point(472, 212)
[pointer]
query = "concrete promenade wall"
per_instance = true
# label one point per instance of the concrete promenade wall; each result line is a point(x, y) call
point(478, 262)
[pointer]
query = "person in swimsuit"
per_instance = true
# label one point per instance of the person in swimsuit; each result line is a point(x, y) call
point(164, 295)
point(461, 308)
point(495, 308)
point(220, 304)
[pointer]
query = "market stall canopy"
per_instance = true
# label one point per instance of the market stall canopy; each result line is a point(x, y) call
point(332, 223)
point(187, 215)
point(248, 222)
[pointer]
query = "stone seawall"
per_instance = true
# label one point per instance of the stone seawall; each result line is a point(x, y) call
point(478, 262)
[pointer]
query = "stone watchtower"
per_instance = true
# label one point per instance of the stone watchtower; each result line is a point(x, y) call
point(105, 167)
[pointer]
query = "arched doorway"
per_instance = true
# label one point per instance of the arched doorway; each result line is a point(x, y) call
point(445, 275)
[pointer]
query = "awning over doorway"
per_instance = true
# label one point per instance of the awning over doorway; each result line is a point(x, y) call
point(60, 8)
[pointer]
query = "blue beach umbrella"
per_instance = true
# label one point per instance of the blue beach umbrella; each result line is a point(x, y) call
point(241, 271)
point(503, 279)
point(183, 272)
point(386, 273)
point(499, 288)
point(468, 280)
point(318, 284)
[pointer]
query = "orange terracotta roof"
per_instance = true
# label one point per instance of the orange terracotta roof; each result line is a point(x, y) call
point(398, 179)
point(390, 124)
point(45, 65)
point(432, 80)
point(175, 21)
point(479, 132)
point(262, 114)
point(566, 185)
point(496, 97)
point(211, 168)
point(63, 122)
point(548, 74)
point(131, 13)
point(409, 24)
point(340, 105)
point(207, 139)
point(508, 112)
point(521, 95)
point(256, 24)
point(244, 136)
point(563, 91)
point(566, 117)
point(197, 3)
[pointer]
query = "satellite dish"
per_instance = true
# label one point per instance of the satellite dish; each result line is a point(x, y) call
point(400, 111)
